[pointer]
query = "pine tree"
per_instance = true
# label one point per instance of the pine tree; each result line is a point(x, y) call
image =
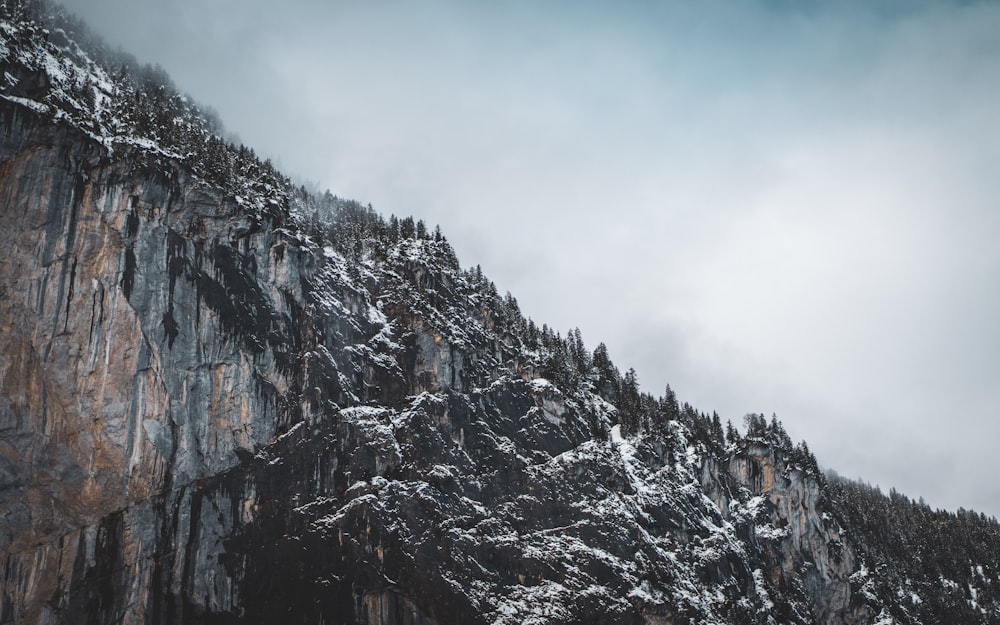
point(580, 360)
point(407, 229)
point(756, 426)
point(608, 379)
point(670, 406)
point(732, 434)
point(777, 435)
point(393, 230)
point(717, 436)
point(630, 404)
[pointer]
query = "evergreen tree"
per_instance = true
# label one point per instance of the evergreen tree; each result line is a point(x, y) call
point(671, 408)
point(608, 382)
point(630, 404)
point(718, 438)
point(407, 229)
point(732, 434)
point(393, 230)
point(777, 435)
point(756, 426)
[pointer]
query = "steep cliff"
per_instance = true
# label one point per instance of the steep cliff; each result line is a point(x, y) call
point(210, 416)
point(227, 401)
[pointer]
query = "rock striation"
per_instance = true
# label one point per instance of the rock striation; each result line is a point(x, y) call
point(220, 406)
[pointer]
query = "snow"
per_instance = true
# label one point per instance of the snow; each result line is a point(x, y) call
point(38, 107)
point(364, 412)
point(884, 618)
point(541, 385)
point(535, 605)
point(443, 472)
point(54, 69)
point(627, 453)
point(292, 430)
point(366, 487)
point(646, 594)
point(769, 532)
point(758, 580)
point(860, 574)
point(755, 505)
point(331, 520)
point(616, 434)
point(377, 317)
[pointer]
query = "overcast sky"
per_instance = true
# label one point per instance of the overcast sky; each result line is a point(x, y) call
point(773, 206)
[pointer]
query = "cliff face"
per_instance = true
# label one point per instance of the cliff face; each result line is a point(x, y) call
point(218, 405)
point(144, 319)
point(180, 443)
point(805, 547)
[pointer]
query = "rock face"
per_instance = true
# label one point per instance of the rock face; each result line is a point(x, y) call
point(144, 321)
point(806, 548)
point(208, 417)
point(215, 409)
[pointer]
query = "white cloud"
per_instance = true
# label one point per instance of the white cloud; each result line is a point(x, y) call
point(773, 208)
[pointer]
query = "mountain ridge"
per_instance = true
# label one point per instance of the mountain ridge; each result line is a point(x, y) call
point(315, 411)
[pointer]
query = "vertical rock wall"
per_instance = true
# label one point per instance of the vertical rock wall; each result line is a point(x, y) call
point(803, 545)
point(144, 319)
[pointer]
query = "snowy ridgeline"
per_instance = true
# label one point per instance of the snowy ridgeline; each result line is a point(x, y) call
point(52, 65)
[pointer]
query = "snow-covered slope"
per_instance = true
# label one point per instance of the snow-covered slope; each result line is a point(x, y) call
point(225, 400)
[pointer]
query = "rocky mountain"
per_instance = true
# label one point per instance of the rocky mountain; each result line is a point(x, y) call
point(227, 400)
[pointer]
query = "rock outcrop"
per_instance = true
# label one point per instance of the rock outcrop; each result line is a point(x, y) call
point(208, 416)
point(218, 408)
